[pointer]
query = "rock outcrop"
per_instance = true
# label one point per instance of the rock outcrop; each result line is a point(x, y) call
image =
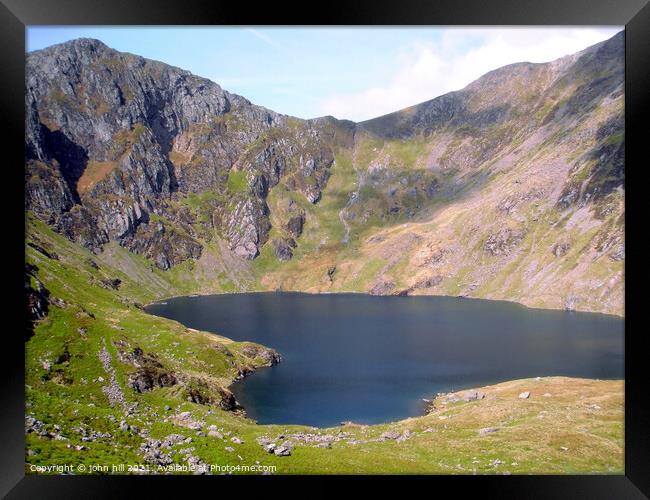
point(36, 299)
point(115, 143)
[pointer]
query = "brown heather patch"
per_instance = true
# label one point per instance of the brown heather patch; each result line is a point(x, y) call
point(95, 172)
point(48, 120)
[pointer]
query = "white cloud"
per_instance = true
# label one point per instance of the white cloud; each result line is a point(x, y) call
point(426, 70)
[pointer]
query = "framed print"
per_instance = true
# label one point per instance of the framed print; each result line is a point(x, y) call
point(389, 241)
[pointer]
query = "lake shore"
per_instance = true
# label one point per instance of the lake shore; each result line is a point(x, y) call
point(547, 425)
point(563, 426)
point(202, 293)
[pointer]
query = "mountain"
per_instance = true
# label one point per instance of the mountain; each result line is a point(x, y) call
point(143, 181)
point(511, 188)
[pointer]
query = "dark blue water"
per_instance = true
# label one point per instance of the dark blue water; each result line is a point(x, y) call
point(372, 359)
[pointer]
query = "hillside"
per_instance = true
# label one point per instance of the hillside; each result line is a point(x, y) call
point(509, 189)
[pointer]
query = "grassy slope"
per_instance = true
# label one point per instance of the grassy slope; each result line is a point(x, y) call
point(69, 394)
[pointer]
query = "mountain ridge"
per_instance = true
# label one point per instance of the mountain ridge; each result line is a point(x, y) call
point(172, 166)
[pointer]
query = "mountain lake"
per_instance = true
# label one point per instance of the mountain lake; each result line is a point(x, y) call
point(372, 359)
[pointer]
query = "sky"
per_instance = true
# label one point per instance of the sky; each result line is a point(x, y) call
point(354, 73)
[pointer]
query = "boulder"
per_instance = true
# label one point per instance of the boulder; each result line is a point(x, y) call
point(266, 354)
point(295, 225)
point(283, 248)
point(330, 273)
point(560, 249)
point(113, 284)
point(282, 451)
point(147, 379)
point(472, 395)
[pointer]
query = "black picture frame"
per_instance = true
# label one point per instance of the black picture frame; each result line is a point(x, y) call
point(15, 15)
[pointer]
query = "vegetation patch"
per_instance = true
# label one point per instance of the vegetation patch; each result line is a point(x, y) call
point(95, 172)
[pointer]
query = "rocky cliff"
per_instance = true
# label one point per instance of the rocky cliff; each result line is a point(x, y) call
point(115, 144)
point(510, 188)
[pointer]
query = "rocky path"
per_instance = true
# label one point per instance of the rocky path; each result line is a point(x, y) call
point(112, 390)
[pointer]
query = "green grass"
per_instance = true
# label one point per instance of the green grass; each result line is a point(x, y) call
point(237, 182)
point(195, 201)
point(407, 152)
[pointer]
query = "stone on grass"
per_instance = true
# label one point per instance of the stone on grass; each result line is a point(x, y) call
point(282, 451)
point(472, 395)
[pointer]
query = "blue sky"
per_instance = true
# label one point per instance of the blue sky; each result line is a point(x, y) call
point(353, 73)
